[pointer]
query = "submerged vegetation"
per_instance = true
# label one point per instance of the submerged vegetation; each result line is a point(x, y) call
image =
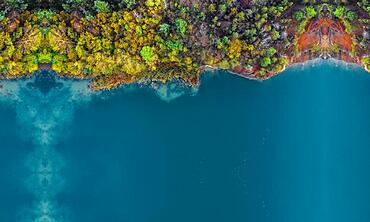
point(114, 42)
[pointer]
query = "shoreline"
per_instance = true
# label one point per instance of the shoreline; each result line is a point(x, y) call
point(204, 69)
point(251, 76)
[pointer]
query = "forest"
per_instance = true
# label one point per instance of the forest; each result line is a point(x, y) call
point(132, 41)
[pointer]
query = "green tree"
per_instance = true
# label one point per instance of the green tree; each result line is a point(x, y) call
point(101, 6)
point(339, 11)
point(298, 15)
point(223, 8)
point(164, 28)
point(15, 4)
point(351, 15)
point(174, 45)
point(127, 3)
point(139, 30)
point(271, 51)
point(275, 35)
point(310, 11)
point(366, 61)
point(181, 25)
point(146, 53)
point(70, 5)
point(265, 62)
point(2, 16)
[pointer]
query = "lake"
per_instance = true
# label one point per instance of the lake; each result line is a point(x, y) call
point(292, 148)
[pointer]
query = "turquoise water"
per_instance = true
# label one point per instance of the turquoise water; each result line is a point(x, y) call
point(293, 148)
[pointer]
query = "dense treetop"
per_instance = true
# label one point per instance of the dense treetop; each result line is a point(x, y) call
point(115, 42)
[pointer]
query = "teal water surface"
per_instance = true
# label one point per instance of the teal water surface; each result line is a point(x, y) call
point(293, 148)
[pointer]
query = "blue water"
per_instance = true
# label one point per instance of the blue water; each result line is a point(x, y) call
point(293, 148)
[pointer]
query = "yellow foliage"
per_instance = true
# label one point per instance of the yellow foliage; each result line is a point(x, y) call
point(249, 48)
point(31, 41)
point(58, 41)
point(235, 48)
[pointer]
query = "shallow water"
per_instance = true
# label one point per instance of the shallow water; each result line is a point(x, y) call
point(293, 148)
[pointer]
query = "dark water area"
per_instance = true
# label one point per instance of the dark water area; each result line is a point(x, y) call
point(293, 148)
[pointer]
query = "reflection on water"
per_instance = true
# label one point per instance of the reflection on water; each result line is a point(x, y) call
point(294, 148)
point(170, 91)
point(44, 107)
